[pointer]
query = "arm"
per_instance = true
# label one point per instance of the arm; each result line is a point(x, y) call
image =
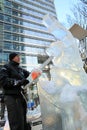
point(26, 73)
point(5, 80)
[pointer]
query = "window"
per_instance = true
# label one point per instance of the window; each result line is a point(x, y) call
point(8, 36)
point(1, 17)
point(7, 18)
point(8, 45)
point(7, 3)
point(23, 60)
point(15, 29)
point(15, 5)
point(14, 20)
point(0, 56)
point(7, 27)
point(22, 39)
point(7, 10)
point(15, 13)
point(1, 27)
point(15, 46)
point(5, 57)
point(15, 38)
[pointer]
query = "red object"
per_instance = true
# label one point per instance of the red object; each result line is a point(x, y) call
point(35, 75)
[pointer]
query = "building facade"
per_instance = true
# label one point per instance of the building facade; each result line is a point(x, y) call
point(22, 30)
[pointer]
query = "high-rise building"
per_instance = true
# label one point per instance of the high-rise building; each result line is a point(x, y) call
point(22, 30)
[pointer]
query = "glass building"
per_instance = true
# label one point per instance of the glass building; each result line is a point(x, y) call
point(22, 30)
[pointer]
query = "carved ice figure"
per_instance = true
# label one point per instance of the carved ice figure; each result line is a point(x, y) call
point(66, 93)
point(67, 60)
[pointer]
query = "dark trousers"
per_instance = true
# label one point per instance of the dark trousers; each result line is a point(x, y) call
point(2, 103)
point(2, 110)
point(16, 108)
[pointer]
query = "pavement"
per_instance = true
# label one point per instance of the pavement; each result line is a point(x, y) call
point(36, 125)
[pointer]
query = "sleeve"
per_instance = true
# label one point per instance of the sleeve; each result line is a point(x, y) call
point(26, 73)
point(5, 80)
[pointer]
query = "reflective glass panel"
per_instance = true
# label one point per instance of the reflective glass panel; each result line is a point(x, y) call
point(7, 3)
point(15, 46)
point(8, 36)
point(14, 20)
point(7, 10)
point(7, 18)
point(8, 45)
point(15, 29)
point(1, 16)
point(7, 27)
point(15, 38)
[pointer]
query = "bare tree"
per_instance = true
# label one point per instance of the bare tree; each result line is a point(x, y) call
point(84, 1)
point(83, 9)
point(79, 14)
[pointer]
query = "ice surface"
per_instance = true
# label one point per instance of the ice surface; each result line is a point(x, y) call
point(63, 98)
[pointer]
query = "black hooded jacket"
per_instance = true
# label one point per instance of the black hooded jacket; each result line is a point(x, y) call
point(10, 74)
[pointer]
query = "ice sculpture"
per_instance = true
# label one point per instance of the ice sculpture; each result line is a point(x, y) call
point(63, 98)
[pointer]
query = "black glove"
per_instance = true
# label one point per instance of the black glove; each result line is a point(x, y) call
point(21, 82)
point(24, 82)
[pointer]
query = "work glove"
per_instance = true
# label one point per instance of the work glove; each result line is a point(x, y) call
point(24, 82)
point(21, 82)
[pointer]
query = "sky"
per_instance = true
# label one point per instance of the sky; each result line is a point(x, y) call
point(63, 7)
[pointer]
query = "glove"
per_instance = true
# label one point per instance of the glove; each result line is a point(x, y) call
point(21, 82)
point(24, 82)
